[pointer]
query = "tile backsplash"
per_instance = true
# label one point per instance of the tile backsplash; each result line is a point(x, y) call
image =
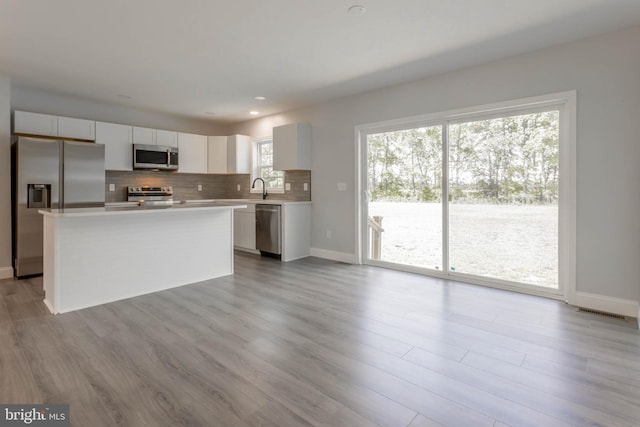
point(185, 185)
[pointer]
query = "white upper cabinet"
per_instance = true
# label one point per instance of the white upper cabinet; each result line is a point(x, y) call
point(229, 154)
point(217, 154)
point(76, 128)
point(48, 125)
point(35, 124)
point(166, 138)
point(292, 147)
point(239, 154)
point(150, 136)
point(144, 136)
point(192, 154)
point(117, 139)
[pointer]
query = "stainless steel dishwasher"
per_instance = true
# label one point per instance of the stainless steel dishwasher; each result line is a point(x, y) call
point(269, 230)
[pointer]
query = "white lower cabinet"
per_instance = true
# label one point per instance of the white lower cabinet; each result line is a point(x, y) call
point(296, 229)
point(244, 228)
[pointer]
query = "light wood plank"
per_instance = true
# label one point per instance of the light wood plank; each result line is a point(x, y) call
point(315, 342)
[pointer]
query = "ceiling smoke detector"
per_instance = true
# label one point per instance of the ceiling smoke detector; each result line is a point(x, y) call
point(357, 10)
point(259, 98)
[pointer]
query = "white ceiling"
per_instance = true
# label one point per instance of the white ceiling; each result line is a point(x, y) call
point(188, 57)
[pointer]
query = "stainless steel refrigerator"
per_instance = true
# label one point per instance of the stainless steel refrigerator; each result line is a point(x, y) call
point(50, 174)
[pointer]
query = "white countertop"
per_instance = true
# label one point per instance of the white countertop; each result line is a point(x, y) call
point(267, 201)
point(135, 209)
point(226, 201)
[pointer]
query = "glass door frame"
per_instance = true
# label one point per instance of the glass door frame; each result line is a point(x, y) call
point(565, 102)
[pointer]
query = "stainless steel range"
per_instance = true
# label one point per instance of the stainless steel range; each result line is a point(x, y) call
point(151, 196)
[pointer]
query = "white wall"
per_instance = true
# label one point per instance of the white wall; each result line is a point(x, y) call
point(28, 99)
point(605, 71)
point(5, 178)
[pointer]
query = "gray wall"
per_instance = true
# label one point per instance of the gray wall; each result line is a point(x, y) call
point(605, 71)
point(5, 178)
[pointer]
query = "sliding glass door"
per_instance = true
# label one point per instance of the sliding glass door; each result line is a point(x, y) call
point(503, 193)
point(404, 188)
point(473, 197)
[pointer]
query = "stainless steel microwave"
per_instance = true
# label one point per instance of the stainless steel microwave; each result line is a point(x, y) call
point(155, 157)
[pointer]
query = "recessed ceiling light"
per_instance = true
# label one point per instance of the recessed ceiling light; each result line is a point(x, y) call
point(357, 10)
point(254, 113)
point(259, 98)
point(121, 96)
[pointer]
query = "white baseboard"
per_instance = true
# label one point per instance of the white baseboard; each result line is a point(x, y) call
point(334, 255)
point(6, 272)
point(623, 307)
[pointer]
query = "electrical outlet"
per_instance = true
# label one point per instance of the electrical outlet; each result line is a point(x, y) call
point(238, 187)
point(199, 187)
point(306, 186)
point(342, 186)
point(329, 234)
point(287, 186)
point(112, 187)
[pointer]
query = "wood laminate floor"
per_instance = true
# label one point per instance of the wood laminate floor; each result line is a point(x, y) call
point(319, 343)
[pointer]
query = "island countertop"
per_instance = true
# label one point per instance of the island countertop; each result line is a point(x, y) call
point(135, 209)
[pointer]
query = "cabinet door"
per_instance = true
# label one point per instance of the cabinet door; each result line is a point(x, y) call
point(35, 124)
point(249, 230)
point(292, 147)
point(244, 229)
point(239, 154)
point(117, 140)
point(166, 138)
point(217, 154)
point(144, 136)
point(237, 228)
point(192, 153)
point(76, 128)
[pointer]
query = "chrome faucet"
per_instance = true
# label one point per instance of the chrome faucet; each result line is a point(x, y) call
point(264, 187)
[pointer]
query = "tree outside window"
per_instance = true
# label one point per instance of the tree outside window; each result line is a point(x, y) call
point(264, 165)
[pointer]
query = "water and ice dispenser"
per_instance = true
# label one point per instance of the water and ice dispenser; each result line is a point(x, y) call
point(39, 196)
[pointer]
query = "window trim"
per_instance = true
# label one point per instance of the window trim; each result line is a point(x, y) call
point(566, 103)
point(255, 167)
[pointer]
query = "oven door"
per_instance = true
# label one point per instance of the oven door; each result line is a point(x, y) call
point(155, 157)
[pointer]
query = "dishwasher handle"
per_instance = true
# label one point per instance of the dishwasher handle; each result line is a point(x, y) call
point(268, 208)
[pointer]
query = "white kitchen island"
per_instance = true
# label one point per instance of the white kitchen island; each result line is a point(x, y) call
point(94, 256)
